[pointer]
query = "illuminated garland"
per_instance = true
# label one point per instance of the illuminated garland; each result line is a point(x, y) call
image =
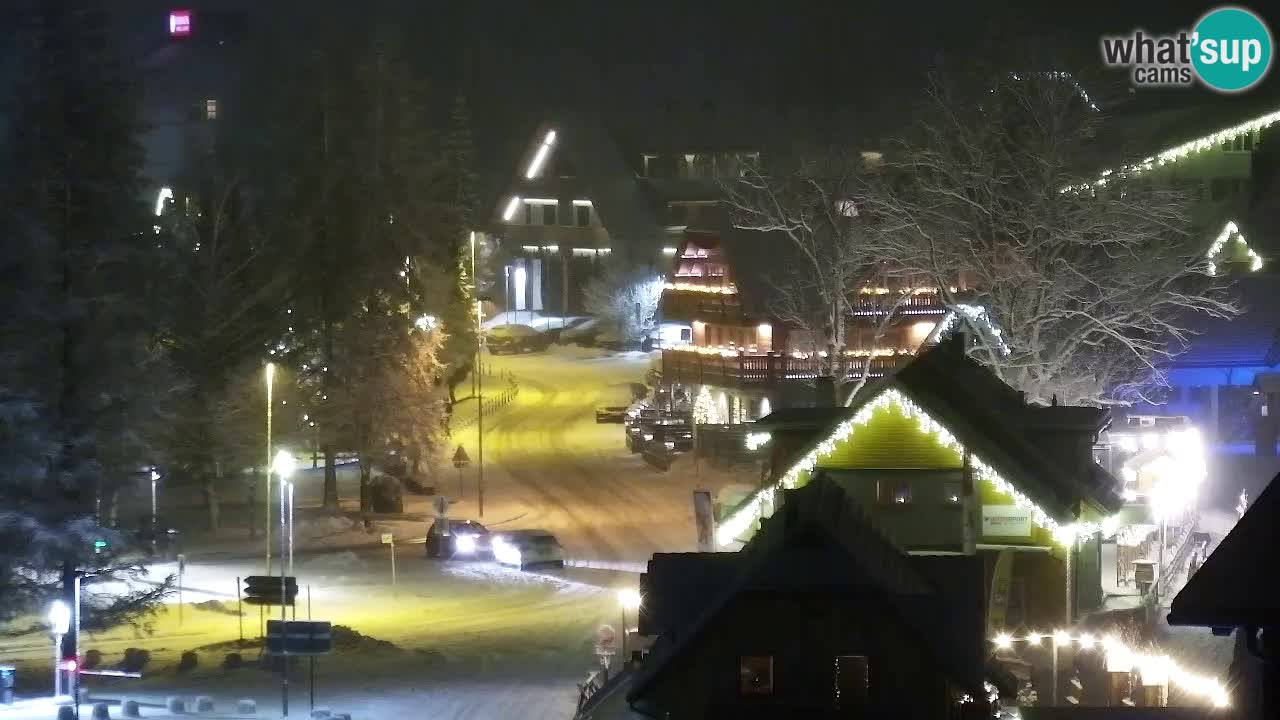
point(976, 314)
point(733, 352)
point(753, 509)
point(1178, 152)
point(757, 440)
point(1151, 667)
point(693, 287)
point(1228, 230)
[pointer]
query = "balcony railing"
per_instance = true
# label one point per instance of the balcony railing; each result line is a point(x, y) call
point(755, 369)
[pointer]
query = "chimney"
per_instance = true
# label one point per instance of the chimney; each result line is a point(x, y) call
point(824, 392)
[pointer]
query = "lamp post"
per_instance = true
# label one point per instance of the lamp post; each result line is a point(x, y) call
point(59, 624)
point(628, 599)
point(475, 372)
point(154, 477)
point(283, 464)
point(270, 371)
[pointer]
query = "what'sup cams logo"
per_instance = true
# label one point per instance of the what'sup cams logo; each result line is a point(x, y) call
point(1229, 50)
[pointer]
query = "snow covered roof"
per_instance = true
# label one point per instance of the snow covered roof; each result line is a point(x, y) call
point(939, 597)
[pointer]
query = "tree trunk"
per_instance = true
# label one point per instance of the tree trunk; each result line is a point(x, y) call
point(211, 501)
point(366, 473)
point(330, 478)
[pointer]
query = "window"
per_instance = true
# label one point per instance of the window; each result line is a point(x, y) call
point(952, 492)
point(851, 681)
point(893, 492)
point(583, 214)
point(549, 214)
point(755, 674)
point(528, 214)
point(648, 165)
point(211, 109)
point(686, 335)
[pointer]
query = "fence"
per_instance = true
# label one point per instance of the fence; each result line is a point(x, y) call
point(682, 366)
point(495, 402)
point(726, 445)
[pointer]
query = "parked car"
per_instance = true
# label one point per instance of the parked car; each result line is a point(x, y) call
point(462, 539)
point(583, 333)
point(515, 339)
point(527, 548)
point(611, 414)
point(556, 328)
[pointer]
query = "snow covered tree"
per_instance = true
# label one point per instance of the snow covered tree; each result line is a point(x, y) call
point(1091, 286)
point(626, 299)
point(78, 358)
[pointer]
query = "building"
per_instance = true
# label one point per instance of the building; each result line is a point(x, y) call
point(1227, 154)
point(1236, 592)
point(947, 459)
point(726, 347)
point(819, 616)
point(593, 185)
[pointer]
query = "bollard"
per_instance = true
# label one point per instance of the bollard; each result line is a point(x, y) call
point(175, 706)
point(320, 713)
point(204, 704)
point(100, 711)
point(130, 709)
point(246, 707)
point(66, 712)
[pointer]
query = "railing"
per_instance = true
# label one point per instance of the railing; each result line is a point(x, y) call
point(681, 305)
point(760, 368)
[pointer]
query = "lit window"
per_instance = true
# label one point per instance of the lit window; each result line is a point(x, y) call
point(755, 674)
point(951, 492)
point(180, 23)
point(893, 492)
point(210, 109)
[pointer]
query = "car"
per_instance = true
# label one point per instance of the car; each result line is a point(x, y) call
point(582, 333)
point(527, 548)
point(515, 339)
point(611, 414)
point(458, 539)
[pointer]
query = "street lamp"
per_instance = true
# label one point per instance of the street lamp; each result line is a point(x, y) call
point(628, 599)
point(270, 373)
point(59, 624)
point(283, 466)
point(154, 477)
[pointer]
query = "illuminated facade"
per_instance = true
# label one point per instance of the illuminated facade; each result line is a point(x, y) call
point(945, 458)
point(721, 293)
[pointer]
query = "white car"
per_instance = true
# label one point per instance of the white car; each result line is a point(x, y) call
point(527, 548)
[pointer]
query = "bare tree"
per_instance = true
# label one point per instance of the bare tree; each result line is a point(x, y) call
point(1091, 286)
point(626, 299)
point(813, 204)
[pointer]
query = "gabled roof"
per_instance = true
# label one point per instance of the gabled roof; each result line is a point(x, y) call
point(851, 554)
point(1027, 452)
point(1238, 585)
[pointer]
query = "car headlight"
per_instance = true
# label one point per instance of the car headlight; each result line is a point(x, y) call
point(506, 553)
point(465, 544)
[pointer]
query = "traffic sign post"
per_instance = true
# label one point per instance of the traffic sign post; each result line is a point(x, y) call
point(460, 461)
point(300, 637)
point(389, 539)
point(265, 590)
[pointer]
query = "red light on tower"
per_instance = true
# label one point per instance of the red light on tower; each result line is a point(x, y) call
point(179, 23)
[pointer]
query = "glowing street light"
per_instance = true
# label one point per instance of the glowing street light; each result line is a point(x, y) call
point(59, 624)
point(628, 599)
point(270, 376)
point(283, 466)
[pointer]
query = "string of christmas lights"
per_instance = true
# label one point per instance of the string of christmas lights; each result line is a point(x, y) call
point(753, 508)
point(1157, 668)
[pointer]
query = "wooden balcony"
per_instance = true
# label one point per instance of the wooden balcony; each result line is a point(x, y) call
point(690, 306)
point(757, 369)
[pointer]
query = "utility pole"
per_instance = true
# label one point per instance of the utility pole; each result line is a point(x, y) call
point(479, 387)
point(271, 371)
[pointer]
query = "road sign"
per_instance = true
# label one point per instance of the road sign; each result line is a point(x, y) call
point(387, 538)
point(299, 637)
point(460, 459)
point(441, 505)
point(265, 590)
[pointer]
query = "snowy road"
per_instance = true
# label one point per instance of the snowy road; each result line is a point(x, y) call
point(548, 462)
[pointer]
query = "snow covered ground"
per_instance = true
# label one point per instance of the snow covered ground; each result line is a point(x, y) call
point(464, 640)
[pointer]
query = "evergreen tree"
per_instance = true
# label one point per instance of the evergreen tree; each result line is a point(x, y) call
point(76, 332)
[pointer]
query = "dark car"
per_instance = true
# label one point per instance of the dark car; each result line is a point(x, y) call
point(528, 548)
point(611, 414)
point(515, 339)
point(461, 539)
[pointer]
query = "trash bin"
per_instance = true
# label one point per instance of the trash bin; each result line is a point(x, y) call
point(6, 684)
